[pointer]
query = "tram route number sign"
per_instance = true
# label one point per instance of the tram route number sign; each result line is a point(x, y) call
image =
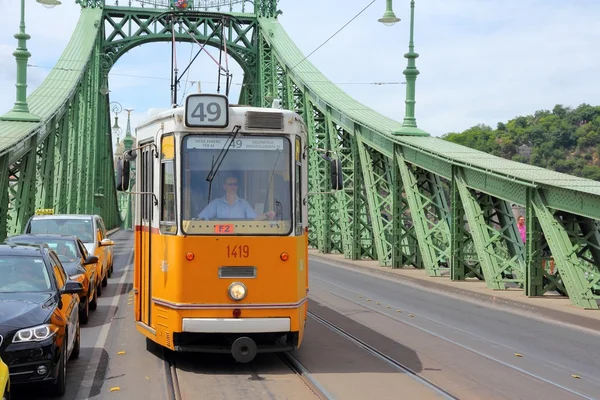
point(206, 111)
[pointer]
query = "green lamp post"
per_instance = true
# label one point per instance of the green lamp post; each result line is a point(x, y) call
point(20, 111)
point(409, 125)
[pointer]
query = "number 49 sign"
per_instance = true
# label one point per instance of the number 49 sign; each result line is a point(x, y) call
point(206, 110)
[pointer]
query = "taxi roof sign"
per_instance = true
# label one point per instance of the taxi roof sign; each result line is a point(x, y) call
point(44, 211)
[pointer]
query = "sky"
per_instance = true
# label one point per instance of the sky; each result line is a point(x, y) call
point(480, 61)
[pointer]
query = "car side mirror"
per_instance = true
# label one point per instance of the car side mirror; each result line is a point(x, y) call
point(72, 287)
point(91, 260)
point(107, 242)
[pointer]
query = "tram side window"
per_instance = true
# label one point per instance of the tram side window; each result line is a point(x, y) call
point(167, 213)
point(147, 184)
point(298, 186)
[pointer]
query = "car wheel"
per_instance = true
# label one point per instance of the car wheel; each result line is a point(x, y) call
point(94, 302)
point(110, 270)
point(77, 344)
point(84, 314)
point(60, 385)
point(99, 289)
point(105, 280)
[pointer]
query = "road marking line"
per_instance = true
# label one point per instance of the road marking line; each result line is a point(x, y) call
point(87, 383)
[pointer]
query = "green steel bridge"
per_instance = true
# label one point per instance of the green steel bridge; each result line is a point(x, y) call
point(409, 199)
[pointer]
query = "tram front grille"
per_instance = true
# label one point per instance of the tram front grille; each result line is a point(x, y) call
point(237, 272)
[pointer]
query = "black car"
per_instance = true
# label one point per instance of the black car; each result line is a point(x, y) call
point(39, 316)
point(79, 265)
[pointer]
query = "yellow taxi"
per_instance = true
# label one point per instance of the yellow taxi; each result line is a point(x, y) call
point(89, 229)
point(4, 379)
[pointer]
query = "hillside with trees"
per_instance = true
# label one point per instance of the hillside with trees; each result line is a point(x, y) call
point(564, 140)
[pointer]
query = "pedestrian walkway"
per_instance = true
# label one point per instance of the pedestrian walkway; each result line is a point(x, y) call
point(550, 306)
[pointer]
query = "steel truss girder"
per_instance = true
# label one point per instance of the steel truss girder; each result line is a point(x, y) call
point(127, 28)
point(480, 234)
point(4, 195)
point(23, 191)
point(349, 230)
point(429, 214)
point(377, 177)
point(565, 252)
point(45, 169)
point(341, 215)
point(317, 199)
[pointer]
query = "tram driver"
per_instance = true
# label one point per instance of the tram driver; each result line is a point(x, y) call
point(231, 206)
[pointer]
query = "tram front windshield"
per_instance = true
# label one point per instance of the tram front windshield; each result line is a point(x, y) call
point(252, 183)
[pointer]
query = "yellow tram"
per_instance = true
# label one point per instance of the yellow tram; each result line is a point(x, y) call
point(221, 227)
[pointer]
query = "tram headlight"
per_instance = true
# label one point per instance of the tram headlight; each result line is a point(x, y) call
point(237, 291)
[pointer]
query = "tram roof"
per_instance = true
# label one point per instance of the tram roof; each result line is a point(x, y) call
point(165, 115)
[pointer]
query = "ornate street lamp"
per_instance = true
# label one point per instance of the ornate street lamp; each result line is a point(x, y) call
point(20, 111)
point(389, 18)
point(409, 125)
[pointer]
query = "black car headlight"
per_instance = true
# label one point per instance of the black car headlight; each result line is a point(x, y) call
point(35, 334)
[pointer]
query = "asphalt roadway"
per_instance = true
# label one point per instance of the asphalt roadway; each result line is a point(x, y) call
point(473, 350)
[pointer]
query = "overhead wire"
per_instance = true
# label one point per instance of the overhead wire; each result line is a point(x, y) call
point(237, 84)
point(332, 36)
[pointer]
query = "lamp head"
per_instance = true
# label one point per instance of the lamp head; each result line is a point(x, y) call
point(389, 18)
point(49, 3)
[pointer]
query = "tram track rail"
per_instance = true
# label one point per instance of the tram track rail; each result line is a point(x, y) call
point(306, 377)
point(389, 360)
point(174, 391)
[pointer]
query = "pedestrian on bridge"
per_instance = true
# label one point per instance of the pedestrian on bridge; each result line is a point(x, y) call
point(521, 226)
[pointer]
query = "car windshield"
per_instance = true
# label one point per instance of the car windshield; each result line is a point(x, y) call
point(65, 248)
point(23, 274)
point(82, 228)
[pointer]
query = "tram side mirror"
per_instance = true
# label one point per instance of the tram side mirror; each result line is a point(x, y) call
point(337, 179)
point(122, 175)
point(335, 169)
point(129, 155)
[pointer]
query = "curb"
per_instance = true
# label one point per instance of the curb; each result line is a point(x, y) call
point(515, 306)
point(112, 231)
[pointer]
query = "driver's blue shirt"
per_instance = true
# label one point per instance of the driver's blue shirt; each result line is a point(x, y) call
point(220, 208)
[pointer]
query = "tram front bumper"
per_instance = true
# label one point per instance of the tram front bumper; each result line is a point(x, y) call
point(236, 325)
point(241, 337)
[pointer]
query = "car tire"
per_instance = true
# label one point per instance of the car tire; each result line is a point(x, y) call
point(94, 302)
point(110, 270)
point(60, 385)
point(84, 315)
point(105, 280)
point(99, 290)
point(77, 344)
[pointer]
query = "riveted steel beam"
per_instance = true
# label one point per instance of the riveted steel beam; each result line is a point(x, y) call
point(4, 189)
point(564, 253)
point(480, 234)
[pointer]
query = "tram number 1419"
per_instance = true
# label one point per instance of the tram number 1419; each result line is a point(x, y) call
point(238, 251)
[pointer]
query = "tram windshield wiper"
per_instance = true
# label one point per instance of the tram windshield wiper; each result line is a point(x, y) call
point(220, 157)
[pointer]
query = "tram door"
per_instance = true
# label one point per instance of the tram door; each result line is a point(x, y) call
point(147, 208)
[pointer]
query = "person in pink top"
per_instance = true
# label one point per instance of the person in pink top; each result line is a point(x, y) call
point(521, 226)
